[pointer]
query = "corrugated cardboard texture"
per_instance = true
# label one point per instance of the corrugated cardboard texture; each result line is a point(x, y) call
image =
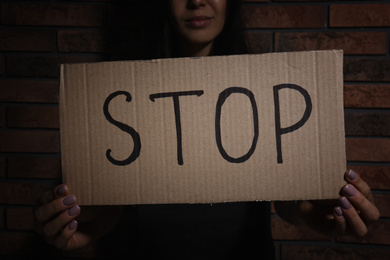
point(213, 138)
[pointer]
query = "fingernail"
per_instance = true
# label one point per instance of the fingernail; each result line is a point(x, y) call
point(352, 175)
point(349, 190)
point(338, 211)
point(72, 225)
point(69, 200)
point(344, 203)
point(61, 190)
point(73, 210)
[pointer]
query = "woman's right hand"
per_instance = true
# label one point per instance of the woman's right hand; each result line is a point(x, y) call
point(55, 218)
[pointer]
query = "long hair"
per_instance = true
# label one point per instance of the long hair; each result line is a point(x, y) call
point(162, 42)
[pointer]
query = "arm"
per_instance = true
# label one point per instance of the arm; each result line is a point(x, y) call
point(61, 221)
point(350, 214)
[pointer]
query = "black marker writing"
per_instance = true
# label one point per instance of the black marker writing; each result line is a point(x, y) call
point(221, 100)
point(176, 105)
point(136, 138)
point(281, 131)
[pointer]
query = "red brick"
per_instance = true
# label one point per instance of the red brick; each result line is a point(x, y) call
point(359, 15)
point(20, 219)
point(22, 193)
point(367, 124)
point(284, 16)
point(299, 252)
point(368, 150)
point(382, 201)
point(259, 42)
point(33, 116)
point(2, 123)
point(350, 42)
point(34, 167)
point(2, 64)
point(377, 177)
point(28, 40)
point(52, 14)
point(282, 230)
point(378, 233)
point(26, 245)
point(2, 218)
point(367, 96)
point(29, 91)
point(42, 65)
point(2, 167)
point(29, 141)
point(15, 243)
point(367, 69)
point(81, 41)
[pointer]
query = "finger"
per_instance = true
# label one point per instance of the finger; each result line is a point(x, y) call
point(354, 222)
point(366, 208)
point(52, 228)
point(47, 197)
point(55, 207)
point(353, 178)
point(57, 192)
point(62, 240)
point(339, 219)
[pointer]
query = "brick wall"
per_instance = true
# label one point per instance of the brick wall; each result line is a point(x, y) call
point(36, 36)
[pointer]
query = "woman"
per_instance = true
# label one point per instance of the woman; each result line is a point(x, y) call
point(231, 230)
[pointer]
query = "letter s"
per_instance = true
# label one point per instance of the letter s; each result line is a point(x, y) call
point(136, 138)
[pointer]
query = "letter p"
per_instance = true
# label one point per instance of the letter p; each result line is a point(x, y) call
point(281, 131)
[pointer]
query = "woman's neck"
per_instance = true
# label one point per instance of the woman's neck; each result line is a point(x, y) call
point(195, 50)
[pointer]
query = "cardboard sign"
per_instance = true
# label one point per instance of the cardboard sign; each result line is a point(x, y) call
point(204, 130)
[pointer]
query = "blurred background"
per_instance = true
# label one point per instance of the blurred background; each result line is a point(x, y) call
point(37, 36)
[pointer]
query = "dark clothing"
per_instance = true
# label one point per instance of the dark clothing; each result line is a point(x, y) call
point(201, 231)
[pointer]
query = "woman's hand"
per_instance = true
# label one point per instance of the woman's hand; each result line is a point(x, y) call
point(59, 219)
point(357, 209)
point(349, 215)
point(55, 218)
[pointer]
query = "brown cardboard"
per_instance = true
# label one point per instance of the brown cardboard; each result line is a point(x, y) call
point(241, 168)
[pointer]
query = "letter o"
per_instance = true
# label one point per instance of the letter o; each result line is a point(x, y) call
point(221, 100)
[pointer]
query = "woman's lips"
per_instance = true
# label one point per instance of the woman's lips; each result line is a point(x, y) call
point(197, 22)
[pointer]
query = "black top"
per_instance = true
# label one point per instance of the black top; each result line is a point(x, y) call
point(196, 231)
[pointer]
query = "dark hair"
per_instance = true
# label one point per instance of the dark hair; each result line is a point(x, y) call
point(161, 42)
